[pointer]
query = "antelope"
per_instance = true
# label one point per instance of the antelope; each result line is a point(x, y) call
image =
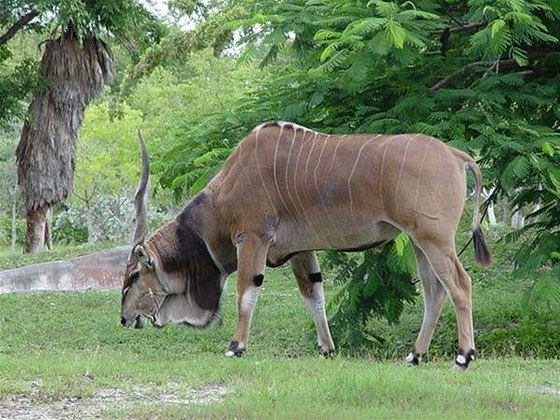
point(287, 191)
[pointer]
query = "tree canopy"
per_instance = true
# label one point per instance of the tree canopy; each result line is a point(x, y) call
point(481, 75)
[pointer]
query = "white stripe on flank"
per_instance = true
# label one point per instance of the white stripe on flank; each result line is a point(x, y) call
point(239, 153)
point(309, 155)
point(381, 177)
point(296, 185)
point(419, 177)
point(402, 169)
point(259, 170)
point(276, 176)
point(352, 173)
point(296, 209)
point(317, 184)
point(334, 154)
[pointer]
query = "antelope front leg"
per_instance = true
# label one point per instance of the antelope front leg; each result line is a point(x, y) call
point(251, 260)
point(308, 275)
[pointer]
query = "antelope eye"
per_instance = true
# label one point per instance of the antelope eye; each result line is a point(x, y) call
point(134, 277)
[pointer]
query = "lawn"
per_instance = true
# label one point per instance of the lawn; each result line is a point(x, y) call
point(65, 355)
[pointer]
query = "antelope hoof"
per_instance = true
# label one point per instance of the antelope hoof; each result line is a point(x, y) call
point(413, 359)
point(463, 359)
point(235, 349)
point(326, 352)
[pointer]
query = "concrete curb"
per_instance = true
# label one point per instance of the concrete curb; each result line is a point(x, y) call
point(98, 271)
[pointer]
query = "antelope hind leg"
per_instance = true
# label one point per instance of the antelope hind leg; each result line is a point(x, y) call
point(457, 284)
point(434, 295)
point(308, 276)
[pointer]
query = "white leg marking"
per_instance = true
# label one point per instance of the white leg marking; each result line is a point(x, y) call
point(249, 300)
point(461, 360)
point(352, 173)
point(315, 305)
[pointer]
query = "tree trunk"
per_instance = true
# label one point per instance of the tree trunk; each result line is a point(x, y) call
point(517, 220)
point(48, 230)
point(490, 210)
point(14, 222)
point(35, 234)
point(76, 71)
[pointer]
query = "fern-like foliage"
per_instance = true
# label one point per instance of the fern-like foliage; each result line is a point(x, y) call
point(376, 283)
point(481, 75)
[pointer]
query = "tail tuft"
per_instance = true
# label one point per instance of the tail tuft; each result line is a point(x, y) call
point(481, 252)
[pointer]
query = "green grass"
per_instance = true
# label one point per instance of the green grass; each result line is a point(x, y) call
point(63, 353)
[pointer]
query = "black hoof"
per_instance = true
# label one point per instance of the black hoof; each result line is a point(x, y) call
point(464, 358)
point(413, 359)
point(327, 353)
point(234, 349)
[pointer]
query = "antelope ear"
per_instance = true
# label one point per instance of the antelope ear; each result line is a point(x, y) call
point(141, 255)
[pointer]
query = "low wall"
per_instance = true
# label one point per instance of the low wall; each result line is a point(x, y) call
point(98, 271)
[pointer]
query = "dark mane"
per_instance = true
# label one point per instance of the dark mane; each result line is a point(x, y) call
point(182, 250)
point(270, 124)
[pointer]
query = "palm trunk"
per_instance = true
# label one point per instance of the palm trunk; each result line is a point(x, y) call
point(35, 234)
point(14, 221)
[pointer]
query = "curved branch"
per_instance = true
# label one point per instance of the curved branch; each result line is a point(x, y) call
point(507, 63)
point(446, 79)
point(12, 30)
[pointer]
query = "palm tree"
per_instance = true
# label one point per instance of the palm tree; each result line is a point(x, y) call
point(75, 66)
point(74, 72)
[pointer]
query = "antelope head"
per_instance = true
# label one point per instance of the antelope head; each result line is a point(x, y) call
point(170, 277)
point(142, 294)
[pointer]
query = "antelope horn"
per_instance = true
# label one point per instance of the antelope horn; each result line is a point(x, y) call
point(141, 196)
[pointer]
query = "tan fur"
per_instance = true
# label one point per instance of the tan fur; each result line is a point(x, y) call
point(287, 190)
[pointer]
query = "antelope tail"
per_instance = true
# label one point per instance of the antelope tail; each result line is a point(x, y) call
point(481, 252)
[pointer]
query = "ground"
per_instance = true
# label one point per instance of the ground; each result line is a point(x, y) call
point(65, 355)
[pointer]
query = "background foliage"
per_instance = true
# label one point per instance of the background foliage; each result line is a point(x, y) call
point(480, 75)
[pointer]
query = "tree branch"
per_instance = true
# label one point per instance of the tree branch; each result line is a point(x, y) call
point(448, 78)
point(509, 63)
point(12, 30)
point(461, 27)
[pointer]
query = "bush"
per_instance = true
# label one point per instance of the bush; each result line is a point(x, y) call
point(111, 220)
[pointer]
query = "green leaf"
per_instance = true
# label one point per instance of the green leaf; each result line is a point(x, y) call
point(401, 242)
point(395, 33)
point(520, 56)
point(548, 149)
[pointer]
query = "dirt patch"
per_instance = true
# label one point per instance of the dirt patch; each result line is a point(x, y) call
point(542, 389)
point(39, 405)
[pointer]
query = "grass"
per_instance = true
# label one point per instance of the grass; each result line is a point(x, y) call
point(65, 354)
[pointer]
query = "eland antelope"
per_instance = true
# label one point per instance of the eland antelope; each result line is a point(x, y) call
point(287, 191)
